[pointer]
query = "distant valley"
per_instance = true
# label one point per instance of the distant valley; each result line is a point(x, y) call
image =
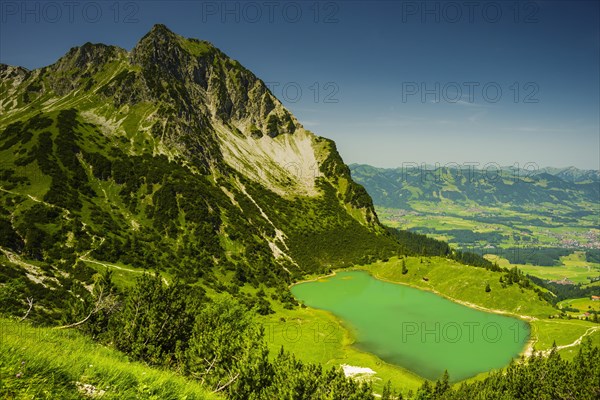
point(528, 217)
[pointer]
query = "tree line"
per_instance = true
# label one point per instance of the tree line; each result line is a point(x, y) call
point(536, 377)
point(416, 244)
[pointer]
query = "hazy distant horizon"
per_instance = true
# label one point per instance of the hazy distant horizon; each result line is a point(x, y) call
point(467, 165)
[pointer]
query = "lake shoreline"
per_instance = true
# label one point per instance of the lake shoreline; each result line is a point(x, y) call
point(356, 304)
point(528, 347)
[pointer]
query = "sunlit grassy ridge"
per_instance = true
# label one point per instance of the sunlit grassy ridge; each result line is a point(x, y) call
point(43, 363)
point(463, 283)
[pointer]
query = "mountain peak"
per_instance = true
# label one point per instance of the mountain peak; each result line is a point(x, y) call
point(158, 39)
point(161, 39)
point(159, 31)
point(160, 53)
point(160, 28)
point(10, 71)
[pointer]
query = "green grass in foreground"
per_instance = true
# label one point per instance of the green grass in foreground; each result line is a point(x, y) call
point(42, 363)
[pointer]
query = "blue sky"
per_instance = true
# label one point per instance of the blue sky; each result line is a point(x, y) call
point(392, 82)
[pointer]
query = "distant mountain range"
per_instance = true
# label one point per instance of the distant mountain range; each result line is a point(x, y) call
point(400, 187)
point(572, 174)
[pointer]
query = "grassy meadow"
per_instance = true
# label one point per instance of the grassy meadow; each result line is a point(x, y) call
point(44, 363)
point(462, 284)
point(574, 267)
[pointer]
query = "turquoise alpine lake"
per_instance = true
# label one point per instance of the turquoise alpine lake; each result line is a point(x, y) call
point(415, 329)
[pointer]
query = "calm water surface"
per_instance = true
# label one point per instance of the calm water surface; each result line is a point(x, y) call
point(415, 329)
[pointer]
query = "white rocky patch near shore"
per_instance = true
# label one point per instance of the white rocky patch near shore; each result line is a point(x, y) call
point(352, 371)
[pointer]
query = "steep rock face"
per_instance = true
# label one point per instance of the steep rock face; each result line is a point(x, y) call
point(201, 86)
point(213, 82)
point(74, 69)
point(13, 74)
point(174, 156)
point(10, 80)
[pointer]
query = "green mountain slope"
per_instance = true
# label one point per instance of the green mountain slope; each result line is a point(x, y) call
point(171, 157)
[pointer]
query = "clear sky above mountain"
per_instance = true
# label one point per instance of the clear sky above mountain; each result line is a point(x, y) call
point(391, 82)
